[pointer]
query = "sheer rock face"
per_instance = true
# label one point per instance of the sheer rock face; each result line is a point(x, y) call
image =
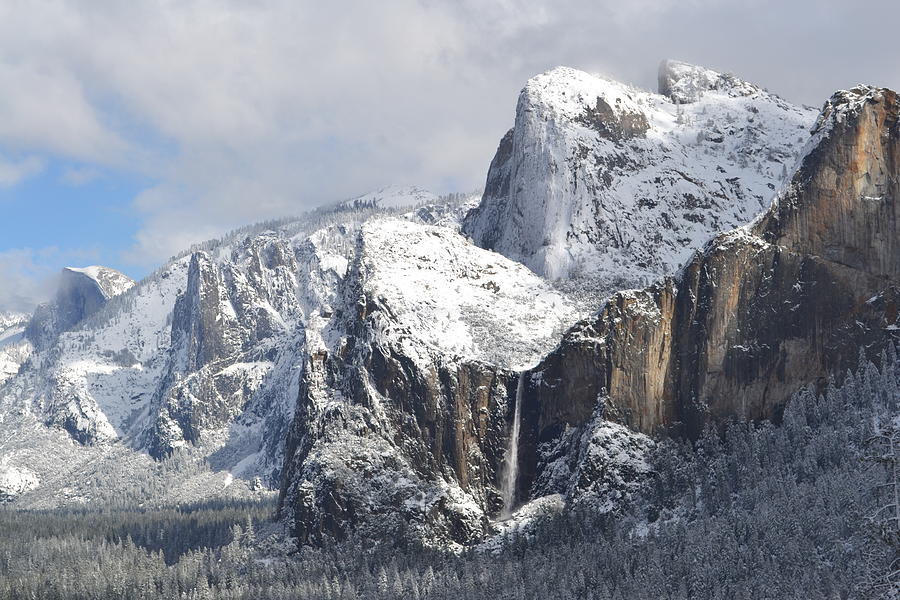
point(79, 294)
point(224, 330)
point(603, 180)
point(760, 311)
point(848, 211)
point(402, 416)
point(384, 445)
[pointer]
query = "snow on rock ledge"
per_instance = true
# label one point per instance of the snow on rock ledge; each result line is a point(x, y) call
point(457, 300)
point(15, 481)
point(602, 180)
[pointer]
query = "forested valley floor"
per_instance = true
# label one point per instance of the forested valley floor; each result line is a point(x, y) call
point(802, 509)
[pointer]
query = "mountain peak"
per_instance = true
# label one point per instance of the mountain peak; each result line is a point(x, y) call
point(80, 292)
point(592, 167)
point(110, 281)
point(684, 83)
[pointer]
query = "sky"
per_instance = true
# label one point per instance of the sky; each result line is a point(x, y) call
point(129, 130)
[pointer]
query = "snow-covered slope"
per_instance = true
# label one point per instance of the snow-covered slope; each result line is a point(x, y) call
point(394, 196)
point(14, 348)
point(207, 354)
point(456, 300)
point(603, 180)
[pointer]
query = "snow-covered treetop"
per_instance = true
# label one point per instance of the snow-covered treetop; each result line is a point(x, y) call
point(683, 83)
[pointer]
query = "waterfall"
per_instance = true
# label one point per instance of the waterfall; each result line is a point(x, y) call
point(511, 468)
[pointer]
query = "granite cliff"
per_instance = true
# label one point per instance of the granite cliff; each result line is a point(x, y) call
point(785, 301)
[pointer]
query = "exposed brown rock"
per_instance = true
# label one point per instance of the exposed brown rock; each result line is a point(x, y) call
point(760, 311)
point(448, 418)
point(611, 124)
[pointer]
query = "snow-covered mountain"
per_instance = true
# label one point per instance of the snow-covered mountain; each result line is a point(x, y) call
point(793, 299)
point(208, 352)
point(401, 415)
point(603, 180)
point(376, 363)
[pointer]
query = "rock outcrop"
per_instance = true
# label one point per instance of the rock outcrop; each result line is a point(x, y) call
point(603, 181)
point(759, 312)
point(401, 420)
point(229, 328)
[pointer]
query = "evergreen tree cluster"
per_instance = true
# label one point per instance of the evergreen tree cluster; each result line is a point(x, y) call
point(804, 509)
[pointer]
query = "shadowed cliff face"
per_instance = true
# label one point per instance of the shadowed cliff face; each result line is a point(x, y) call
point(407, 425)
point(79, 294)
point(760, 311)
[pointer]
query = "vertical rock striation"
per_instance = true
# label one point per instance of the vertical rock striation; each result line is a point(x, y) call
point(760, 311)
point(601, 180)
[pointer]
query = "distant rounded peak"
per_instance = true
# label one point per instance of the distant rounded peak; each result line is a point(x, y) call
point(110, 281)
point(91, 271)
point(684, 83)
point(569, 91)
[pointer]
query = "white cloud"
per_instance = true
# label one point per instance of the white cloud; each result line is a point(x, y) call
point(244, 110)
point(13, 172)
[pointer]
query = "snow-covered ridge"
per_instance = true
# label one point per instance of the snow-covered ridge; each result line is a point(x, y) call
point(564, 93)
point(394, 196)
point(684, 83)
point(458, 300)
point(603, 180)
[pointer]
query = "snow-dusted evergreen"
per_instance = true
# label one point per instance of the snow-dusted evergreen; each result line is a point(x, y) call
point(763, 511)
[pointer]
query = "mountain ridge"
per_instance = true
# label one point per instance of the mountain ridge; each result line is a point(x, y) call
point(598, 179)
point(368, 361)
